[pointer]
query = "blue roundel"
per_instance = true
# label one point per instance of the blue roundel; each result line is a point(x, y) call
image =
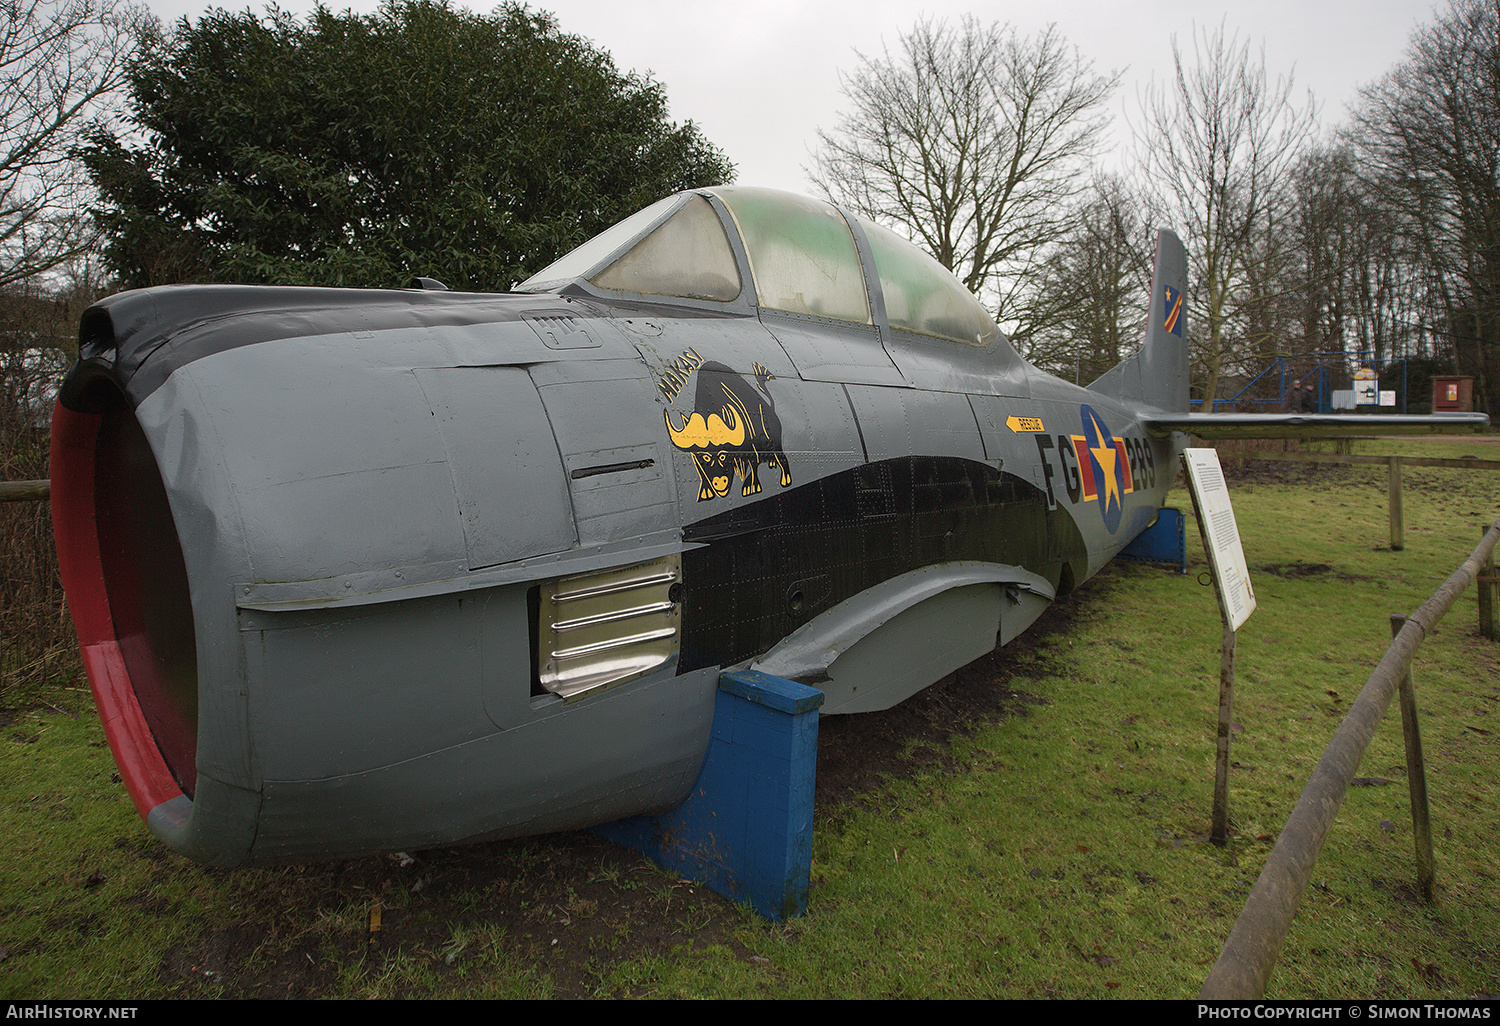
point(1104, 461)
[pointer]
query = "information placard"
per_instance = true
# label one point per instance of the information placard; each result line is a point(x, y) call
point(1221, 535)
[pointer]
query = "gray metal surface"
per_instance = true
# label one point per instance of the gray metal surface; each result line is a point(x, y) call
point(380, 498)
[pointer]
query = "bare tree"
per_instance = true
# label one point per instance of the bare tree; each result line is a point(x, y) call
point(61, 61)
point(1090, 311)
point(1429, 140)
point(1326, 231)
point(972, 141)
point(1217, 146)
point(1359, 282)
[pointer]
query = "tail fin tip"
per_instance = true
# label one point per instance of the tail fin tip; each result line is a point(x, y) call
point(1157, 375)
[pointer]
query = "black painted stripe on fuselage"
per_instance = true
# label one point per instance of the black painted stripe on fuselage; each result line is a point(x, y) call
point(768, 567)
point(139, 338)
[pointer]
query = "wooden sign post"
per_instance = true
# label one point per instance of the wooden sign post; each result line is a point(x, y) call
point(1226, 560)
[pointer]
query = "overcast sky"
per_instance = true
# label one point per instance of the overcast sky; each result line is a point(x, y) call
point(760, 77)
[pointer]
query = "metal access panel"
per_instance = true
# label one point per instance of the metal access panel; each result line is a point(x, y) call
point(503, 459)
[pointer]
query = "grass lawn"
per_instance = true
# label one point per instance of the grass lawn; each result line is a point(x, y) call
point(1059, 853)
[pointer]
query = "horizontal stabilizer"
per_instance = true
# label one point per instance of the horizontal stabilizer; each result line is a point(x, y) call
point(1304, 425)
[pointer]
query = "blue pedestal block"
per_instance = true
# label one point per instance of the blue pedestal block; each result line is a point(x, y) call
point(1162, 542)
point(746, 828)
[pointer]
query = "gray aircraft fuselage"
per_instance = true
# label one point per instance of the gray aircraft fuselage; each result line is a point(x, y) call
point(376, 570)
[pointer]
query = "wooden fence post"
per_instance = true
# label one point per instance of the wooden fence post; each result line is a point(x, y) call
point(1487, 584)
point(1416, 772)
point(1219, 831)
point(1393, 465)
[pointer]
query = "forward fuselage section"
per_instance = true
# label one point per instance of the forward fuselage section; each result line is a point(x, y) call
point(457, 567)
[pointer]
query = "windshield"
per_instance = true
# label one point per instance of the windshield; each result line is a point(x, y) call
point(577, 263)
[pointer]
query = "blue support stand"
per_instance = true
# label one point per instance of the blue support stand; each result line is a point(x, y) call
point(746, 828)
point(1162, 542)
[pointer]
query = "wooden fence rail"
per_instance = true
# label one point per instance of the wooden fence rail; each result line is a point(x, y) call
point(1245, 964)
point(25, 491)
point(1394, 465)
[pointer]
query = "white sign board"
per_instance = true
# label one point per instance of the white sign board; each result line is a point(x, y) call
point(1221, 535)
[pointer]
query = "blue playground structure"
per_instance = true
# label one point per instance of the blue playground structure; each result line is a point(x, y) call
point(1252, 397)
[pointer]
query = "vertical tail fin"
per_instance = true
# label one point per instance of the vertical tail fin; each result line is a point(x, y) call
point(1157, 376)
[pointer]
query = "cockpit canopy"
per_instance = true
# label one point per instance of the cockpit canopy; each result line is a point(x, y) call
point(802, 255)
